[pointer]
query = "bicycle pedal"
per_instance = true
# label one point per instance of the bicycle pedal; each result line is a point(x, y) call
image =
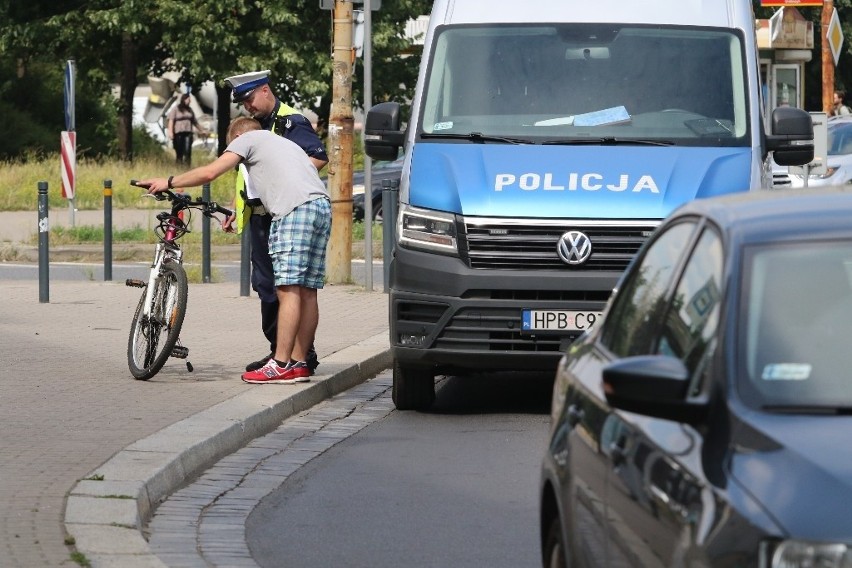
point(135, 283)
point(180, 352)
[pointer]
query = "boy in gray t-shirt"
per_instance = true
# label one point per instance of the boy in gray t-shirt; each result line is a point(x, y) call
point(280, 177)
point(288, 185)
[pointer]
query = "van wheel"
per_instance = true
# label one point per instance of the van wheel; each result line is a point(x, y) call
point(377, 211)
point(554, 549)
point(413, 388)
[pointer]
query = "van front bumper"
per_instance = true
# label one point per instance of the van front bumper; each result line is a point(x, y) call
point(451, 318)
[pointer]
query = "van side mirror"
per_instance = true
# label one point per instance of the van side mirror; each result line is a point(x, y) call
point(791, 137)
point(382, 136)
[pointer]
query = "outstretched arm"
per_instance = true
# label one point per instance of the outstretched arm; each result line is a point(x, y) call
point(195, 177)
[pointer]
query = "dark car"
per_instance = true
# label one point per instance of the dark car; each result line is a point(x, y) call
point(706, 419)
point(381, 172)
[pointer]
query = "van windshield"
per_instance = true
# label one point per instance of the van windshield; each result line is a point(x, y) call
point(561, 83)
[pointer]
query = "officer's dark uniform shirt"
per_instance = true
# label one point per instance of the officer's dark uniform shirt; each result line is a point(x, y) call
point(298, 129)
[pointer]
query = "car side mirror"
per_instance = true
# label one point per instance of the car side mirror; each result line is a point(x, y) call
point(792, 137)
point(653, 385)
point(382, 135)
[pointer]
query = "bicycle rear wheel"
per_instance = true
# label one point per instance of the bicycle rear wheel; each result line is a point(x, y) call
point(153, 337)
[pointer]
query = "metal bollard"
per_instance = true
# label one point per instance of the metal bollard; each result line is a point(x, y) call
point(205, 237)
point(43, 239)
point(107, 230)
point(245, 261)
point(390, 201)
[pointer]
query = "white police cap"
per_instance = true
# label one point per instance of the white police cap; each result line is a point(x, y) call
point(243, 85)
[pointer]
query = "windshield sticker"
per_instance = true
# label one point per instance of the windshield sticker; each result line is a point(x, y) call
point(786, 372)
point(442, 126)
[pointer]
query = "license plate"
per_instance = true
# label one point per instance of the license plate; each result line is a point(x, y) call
point(558, 320)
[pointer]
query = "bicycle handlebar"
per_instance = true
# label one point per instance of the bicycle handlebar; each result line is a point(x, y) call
point(207, 207)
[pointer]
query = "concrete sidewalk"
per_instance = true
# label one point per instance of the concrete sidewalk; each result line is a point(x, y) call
point(88, 452)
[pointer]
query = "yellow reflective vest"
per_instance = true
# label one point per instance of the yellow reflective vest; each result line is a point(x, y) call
point(242, 211)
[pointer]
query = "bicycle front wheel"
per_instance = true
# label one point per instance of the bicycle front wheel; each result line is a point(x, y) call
point(153, 336)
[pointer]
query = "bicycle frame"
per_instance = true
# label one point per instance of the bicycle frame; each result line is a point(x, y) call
point(156, 326)
point(165, 251)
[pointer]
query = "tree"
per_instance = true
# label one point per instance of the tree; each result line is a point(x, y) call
point(113, 39)
point(291, 38)
point(31, 83)
point(122, 41)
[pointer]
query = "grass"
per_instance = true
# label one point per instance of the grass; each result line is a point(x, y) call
point(19, 182)
point(19, 191)
point(93, 234)
point(80, 558)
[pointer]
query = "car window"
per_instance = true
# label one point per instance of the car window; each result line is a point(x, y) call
point(840, 140)
point(795, 325)
point(630, 325)
point(690, 325)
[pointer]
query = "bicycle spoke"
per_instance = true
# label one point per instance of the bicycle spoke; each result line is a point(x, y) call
point(153, 337)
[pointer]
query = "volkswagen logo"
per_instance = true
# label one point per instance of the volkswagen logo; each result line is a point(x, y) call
point(574, 247)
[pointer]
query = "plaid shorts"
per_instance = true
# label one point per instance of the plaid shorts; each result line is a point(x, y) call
point(297, 244)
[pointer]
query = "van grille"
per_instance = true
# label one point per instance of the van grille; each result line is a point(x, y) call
point(532, 245)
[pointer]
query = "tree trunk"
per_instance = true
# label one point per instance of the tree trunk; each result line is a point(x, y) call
point(827, 59)
point(127, 88)
point(340, 130)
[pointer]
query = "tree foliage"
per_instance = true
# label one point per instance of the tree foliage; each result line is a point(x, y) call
point(117, 43)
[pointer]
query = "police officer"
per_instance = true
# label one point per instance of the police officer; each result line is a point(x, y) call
point(253, 92)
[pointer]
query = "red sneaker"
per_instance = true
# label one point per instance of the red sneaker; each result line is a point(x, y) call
point(299, 372)
point(273, 373)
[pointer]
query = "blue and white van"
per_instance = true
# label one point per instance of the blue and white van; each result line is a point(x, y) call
point(547, 140)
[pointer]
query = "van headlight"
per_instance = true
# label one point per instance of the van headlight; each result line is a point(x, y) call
point(829, 171)
point(798, 553)
point(428, 230)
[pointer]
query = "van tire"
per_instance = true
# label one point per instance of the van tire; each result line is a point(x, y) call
point(413, 387)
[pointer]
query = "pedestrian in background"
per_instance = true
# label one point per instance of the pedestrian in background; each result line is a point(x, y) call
point(288, 186)
point(840, 109)
point(253, 92)
point(181, 125)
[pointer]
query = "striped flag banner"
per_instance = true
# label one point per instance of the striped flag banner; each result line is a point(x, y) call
point(69, 163)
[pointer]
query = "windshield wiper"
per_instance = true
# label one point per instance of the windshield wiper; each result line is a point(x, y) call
point(476, 137)
point(808, 409)
point(608, 140)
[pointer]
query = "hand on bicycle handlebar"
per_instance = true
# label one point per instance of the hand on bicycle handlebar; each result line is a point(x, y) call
point(228, 223)
point(154, 185)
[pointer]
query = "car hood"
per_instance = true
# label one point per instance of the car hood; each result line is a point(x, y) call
point(800, 470)
point(580, 181)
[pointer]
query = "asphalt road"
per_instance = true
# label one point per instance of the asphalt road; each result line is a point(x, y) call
point(455, 486)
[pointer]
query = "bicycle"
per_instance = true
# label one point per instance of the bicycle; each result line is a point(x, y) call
point(155, 329)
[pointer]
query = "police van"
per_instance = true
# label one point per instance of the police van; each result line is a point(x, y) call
point(547, 139)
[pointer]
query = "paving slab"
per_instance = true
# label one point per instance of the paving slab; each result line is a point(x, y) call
point(80, 435)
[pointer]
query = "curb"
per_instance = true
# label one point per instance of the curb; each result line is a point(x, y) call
point(106, 512)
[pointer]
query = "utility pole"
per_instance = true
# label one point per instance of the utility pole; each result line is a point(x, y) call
point(827, 58)
point(340, 135)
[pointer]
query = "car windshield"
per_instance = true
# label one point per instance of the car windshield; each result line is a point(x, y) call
point(840, 139)
point(578, 83)
point(795, 328)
